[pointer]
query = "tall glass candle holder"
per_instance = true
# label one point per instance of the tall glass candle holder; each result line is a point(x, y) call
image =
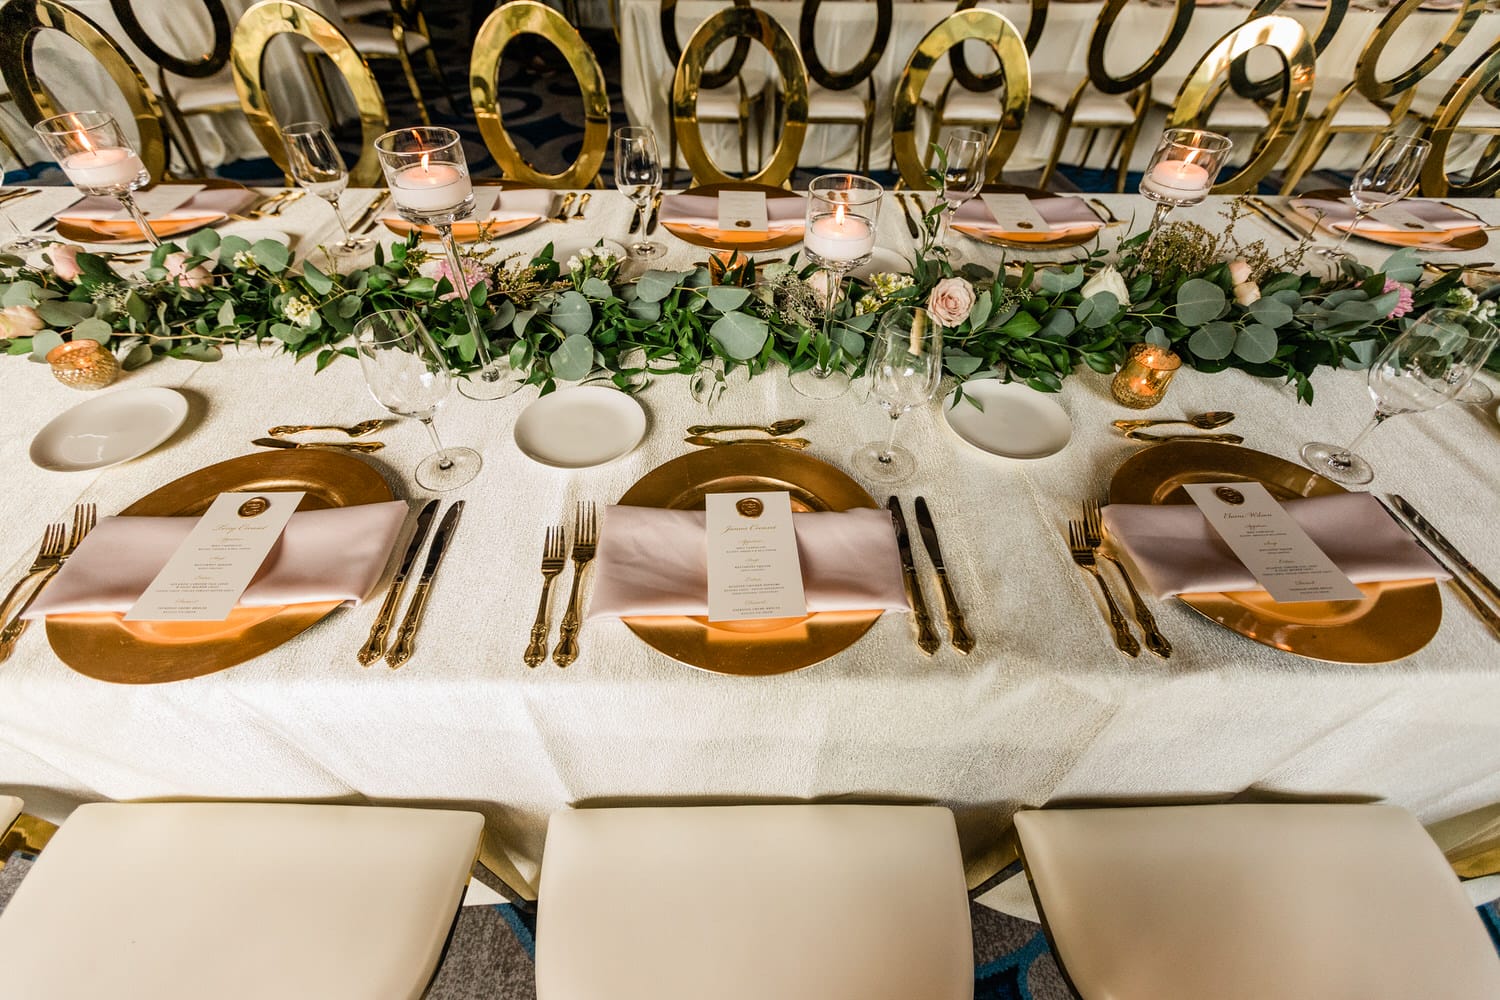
point(1182, 171)
point(98, 159)
point(842, 210)
point(428, 176)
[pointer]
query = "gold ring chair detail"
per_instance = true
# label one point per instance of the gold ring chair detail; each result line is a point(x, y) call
point(500, 29)
point(971, 106)
point(1477, 90)
point(736, 93)
point(830, 103)
point(403, 34)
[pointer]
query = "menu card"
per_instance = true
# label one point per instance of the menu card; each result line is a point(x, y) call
point(1398, 216)
point(1016, 214)
point(753, 567)
point(1273, 547)
point(216, 561)
point(743, 211)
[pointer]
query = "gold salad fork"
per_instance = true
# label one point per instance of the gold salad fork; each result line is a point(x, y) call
point(1093, 530)
point(1078, 547)
point(585, 538)
point(54, 543)
point(85, 516)
point(554, 558)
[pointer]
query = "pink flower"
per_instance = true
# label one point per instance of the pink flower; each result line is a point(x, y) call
point(474, 274)
point(184, 276)
point(1246, 292)
point(950, 301)
point(1239, 271)
point(19, 321)
point(1403, 303)
point(64, 257)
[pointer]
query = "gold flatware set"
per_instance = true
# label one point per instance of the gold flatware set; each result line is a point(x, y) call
point(58, 543)
point(1086, 546)
point(400, 651)
point(360, 429)
point(554, 561)
point(1464, 572)
point(700, 434)
point(585, 543)
point(776, 429)
point(705, 441)
point(927, 637)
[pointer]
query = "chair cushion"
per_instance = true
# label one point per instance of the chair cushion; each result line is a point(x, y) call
point(190, 95)
point(1479, 114)
point(1246, 902)
point(835, 105)
point(1056, 89)
point(363, 8)
point(739, 902)
point(376, 39)
point(10, 808)
point(967, 106)
point(238, 901)
point(1355, 112)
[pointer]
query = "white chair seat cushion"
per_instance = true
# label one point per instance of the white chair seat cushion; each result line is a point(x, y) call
point(968, 106)
point(1249, 902)
point(376, 39)
point(1479, 114)
point(1056, 89)
point(238, 901)
point(1355, 112)
point(835, 105)
point(10, 808)
point(817, 902)
point(722, 104)
point(363, 8)
point(191, 95)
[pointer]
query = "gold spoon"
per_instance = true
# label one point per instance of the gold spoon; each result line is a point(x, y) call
point(1203, 421)
point(703, 441)
point(777, 429)
point(358, 430)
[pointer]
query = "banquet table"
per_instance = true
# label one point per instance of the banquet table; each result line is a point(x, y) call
point(846, 28)
point(1043, 711)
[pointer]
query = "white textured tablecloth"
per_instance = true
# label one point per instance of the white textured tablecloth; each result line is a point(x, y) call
point(1043, 711)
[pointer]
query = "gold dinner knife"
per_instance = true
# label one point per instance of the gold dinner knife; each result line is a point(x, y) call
point(374, 647)
point(958, 629)
point(927, 637)
point(402, 650)
point(364, 446)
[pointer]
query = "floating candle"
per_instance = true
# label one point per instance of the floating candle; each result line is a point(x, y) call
point(839, 236)
point(1181, 175)
point(431, 188)
point(106, 169)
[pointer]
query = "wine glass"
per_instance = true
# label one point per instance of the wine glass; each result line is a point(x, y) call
point(963, 173)
point(1387, 175)
point(21, 241)
point(638, 177)
point(1182, 172)
point(409, 376)
point(905, 366)
point(98, 159)
point(1429, 364)
point(318, 166)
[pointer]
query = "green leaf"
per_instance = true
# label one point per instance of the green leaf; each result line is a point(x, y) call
point(1213, 341)
point(203, 242)
point(63, 313)
point(229, 246)
point(271, 255)
point(1055, 280)
point(961, 364)
point(740, 335)
point(648, 311)
point(727, 298)
point(44, 341)
point(20, 293)
point(199, 352)
point(420, 285)
point(980, 311)
point(573, 361)
point(1199, 302)
point(1158, 337)
point(320, 283)
point(1270, 312)
point(1022, 324)
point(654, 286)
point(597, 288)
point(137, 356)
point(1099, 309)
point(1256, 343)
point(572, 313)
point(1404, 266)
point(1057, 325)
point(93, 329)
point(226, 312)
point(522, 321)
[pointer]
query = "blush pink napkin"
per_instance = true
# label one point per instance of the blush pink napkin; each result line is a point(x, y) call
point(1341, 214)
point(1059, 213)
point(336, 554)
point(655, 562)
point(1178, 552)
point(703, 210)
point(210, 201)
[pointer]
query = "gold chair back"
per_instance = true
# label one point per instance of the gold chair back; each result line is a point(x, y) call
point(20, 23)
point(527, 17)
point(827, 78)
point(1106, 82)
point(1334, 12)
point(712, 79)
point(1480, 82)
point(203, 66)
point(981, 82)
point(1366, 77)
point(979, 24)
point(1210, 77)
point(263, 22)
point(740, 23)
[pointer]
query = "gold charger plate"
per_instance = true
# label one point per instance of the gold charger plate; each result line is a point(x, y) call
point(108, 648)
point(768, 646)
point(1466, 239)
point(1077, 236)
point(1394, 619)
point(718, 239)
point(126, 230)
point(474, 231)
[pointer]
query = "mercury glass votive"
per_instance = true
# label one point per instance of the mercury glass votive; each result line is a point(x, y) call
point(83, 364)
point(1142, 381)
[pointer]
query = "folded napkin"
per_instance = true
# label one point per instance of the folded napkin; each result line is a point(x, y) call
point(703, 210)
point(519, 205)
point(655, 562)
point(1178, 552)
point(210, 203)
point(336, 554)
point(1064, 215)
point(1340, 215)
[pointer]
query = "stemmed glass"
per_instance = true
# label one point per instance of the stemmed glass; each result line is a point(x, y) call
point(839, 236)
point(1388, 175)
point(21, 242)
point(318, 166)
point(1182, 172)
point(963, 173)
point(409, 376)
point(1429, 364)
point(905, 366)
point(429, 181)
point(638, 176)
point(98, 159)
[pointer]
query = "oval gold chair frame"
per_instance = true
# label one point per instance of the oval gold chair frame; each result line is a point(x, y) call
point(1334, 12)
point(22, 20)
point(1378, 90)
point(1210, 77)
point(740, 23)
point(712, 79)
point(503, 26)
point(824, 77)
point(1106, 83)
point(1480, 82)
point(979, 24)
point(970, 80)
point(263, 22)
point(203, 66)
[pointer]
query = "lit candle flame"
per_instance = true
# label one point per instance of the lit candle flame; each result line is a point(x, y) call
point(424, 162)
point(838, 214)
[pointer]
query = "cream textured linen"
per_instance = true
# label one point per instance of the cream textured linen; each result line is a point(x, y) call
point(1044, 710)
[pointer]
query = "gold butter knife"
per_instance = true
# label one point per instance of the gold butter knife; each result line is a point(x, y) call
point(401, 651)
point(374, 647)
point(927, 637)
point(361, 446)
point(704, 441)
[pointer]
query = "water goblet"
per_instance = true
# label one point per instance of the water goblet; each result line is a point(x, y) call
point(1182, 172)
point(428, 176)
point(842, 210)
point(409, 376)
point(963, 173)
point(905, 367)
point(638, 176)
point(318, 166)
point(1387, 175)
point(1430, 363)
point(98, 160)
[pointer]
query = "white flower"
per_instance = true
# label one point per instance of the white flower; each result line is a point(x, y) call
point(244, 259)
point(1239, 272)
point(821, 284)
point(19, 321)
point(300, 310)
point(1107, 280)
point(888, 283)
point(1246, 292)
point(950, 301)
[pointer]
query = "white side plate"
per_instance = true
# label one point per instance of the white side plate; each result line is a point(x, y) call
point(110, 429)
point(1015, 422)
point(580, 427)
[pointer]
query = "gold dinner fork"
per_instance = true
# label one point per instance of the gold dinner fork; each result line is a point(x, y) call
point(585, 538)
point(54, 543)
point(85, 516)
point(554, 558)
point(1093, 535)
point(1078, 547)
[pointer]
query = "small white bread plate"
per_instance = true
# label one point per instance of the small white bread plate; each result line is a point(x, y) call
point(109, 429)
point(1015, 422)
point(580, 427)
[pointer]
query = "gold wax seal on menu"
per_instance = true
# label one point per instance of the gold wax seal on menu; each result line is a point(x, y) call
point(1230, 495)
point(750, 507)
point(254, 507)
point(743, 223)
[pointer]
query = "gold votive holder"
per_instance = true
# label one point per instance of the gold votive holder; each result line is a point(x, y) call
point(728, 267)
point(83, 364)
point(1142, 381)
